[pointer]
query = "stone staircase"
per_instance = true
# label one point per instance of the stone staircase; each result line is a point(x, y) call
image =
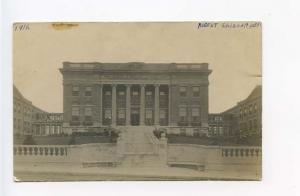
point(138, 147)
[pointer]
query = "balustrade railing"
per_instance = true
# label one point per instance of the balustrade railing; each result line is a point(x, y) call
point(33, 150)
point(241, 152)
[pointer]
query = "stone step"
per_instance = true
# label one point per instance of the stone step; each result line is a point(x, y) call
point(138, 146)
point(142, 161)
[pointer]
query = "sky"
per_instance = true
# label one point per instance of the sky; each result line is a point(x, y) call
point(233, 54)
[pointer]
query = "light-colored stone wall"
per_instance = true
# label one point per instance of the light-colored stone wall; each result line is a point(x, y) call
point(214, 157)
point(71, 154)
point(211, 158)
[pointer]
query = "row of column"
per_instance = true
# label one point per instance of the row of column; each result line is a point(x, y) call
point(47, 129)
point(128, 104)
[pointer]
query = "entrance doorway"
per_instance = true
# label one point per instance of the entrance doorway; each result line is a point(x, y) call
point(135, 117)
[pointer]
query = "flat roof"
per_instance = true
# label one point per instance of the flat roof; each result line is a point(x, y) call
point(134, 66)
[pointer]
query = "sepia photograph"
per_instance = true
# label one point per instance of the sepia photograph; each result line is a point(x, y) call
point(146, 101)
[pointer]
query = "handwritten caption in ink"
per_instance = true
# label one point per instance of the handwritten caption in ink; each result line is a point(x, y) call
point(228, 25)
point(21, 27)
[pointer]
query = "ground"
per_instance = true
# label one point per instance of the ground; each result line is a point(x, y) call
point(55, 172)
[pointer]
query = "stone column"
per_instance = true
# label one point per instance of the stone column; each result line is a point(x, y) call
point(128, 104)
point(156, 103)
point(100, 105)
point(44, 129)
point(142, 105)
point(47, 130)
point(59, 129)
point(114, 105)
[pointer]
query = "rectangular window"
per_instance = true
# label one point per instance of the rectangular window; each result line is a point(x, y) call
point(250, 109)
point(196, 91)
point(182, 112)
point(195, 112)
point(121, 93)
point(220, 130)
point(107, 114)
point(255, 107)
point(121, 114)
point(196, 115)
point(255, 123)
point(250, 125)
point(88, 111)
point(196, 132)
point(75, 113)
point(88, 91)
point(162, 93)
point(107, 93)
point(215, 131)
point(162, 114)
point(75, 91)
point(135, 93)
point(182, 91)
point(148, 114)
point(148, 93)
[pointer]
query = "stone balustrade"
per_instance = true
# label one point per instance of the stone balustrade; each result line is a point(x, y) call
point(240, 151)
point(39, 150)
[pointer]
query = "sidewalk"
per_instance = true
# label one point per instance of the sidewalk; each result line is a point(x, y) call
point(43, 172)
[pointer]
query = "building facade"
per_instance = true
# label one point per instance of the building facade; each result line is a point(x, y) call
point(250, 114)
point(222, 125)
point(31, 120)
point(247, 115)
point(45, 124)
point(134, 94)
point(22, 113)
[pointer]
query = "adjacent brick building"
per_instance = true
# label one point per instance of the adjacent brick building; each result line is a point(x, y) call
point(24, 113)
point(246, 115)
point(223, 125)
point(134, 94)
point(47, 124)
point(250, 114)
point(31, 120)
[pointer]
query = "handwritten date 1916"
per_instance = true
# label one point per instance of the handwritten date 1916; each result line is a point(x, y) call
point(21, 27)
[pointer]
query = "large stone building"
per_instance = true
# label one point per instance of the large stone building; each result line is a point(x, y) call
point(31, 120)
point(45, 124)
point(250, 114)
point(222, 125)
point(24, 113)
point(247, 115)
point(134, 94)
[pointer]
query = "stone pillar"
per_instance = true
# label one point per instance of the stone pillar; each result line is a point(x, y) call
point(39, 129)
point(114, 105)
point(142, 105)
point(128, 104)
point(44, 130)
point(156, 103)
point(47, 130)
point(100, 105)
